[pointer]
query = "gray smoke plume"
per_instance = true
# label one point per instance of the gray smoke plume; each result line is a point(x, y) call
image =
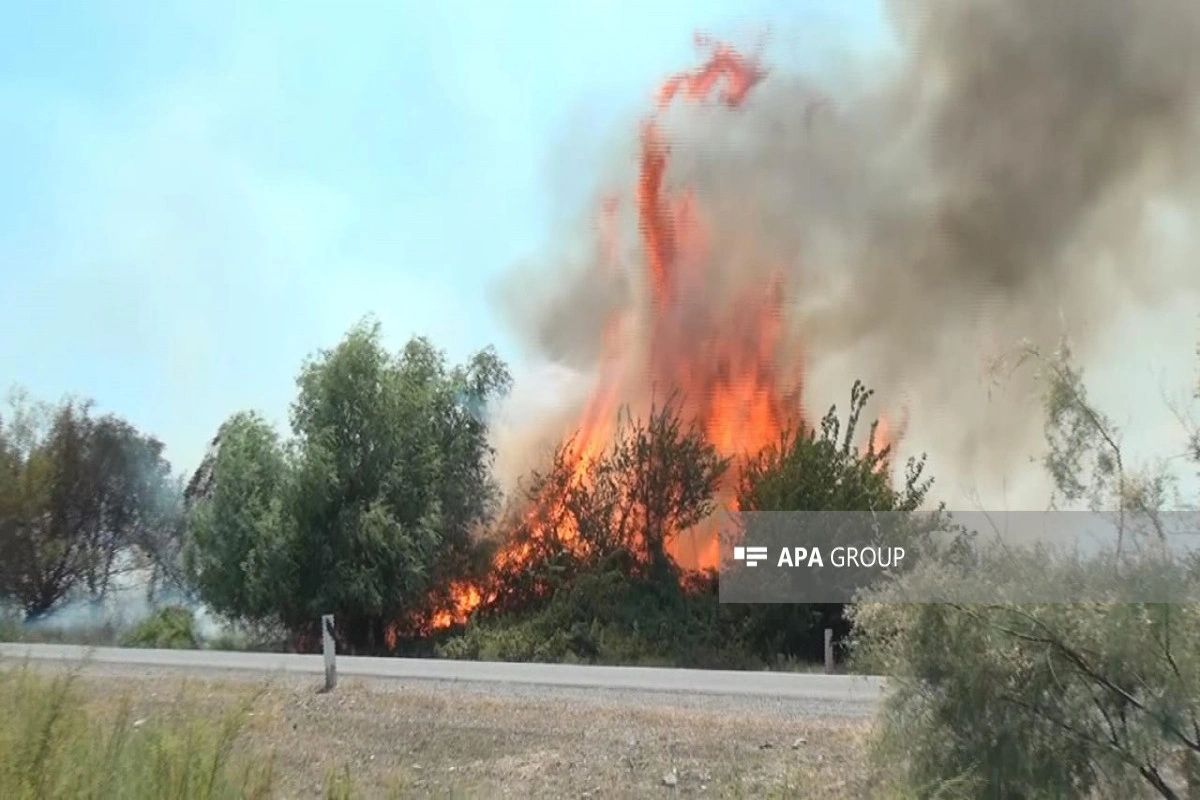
point(1010, 176)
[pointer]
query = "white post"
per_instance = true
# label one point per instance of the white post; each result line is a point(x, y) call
point(328, 644)
point(829, 651)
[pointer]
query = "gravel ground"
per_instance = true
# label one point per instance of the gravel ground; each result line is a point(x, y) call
point(442, 739)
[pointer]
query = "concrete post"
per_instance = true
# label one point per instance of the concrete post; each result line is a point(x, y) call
point(329, 648)
point(829, 651)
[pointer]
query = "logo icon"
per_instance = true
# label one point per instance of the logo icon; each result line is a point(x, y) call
point(751, 555)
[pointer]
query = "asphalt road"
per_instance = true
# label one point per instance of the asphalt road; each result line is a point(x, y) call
point(850, 690)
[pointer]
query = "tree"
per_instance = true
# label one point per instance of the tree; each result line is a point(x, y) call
point(131, 504)
point(368, 508)
point(237, 528)
point(619, 509)
point(823, 469)
point(826, 469)
point(81, 499)
point(585, 572)
point(1041, 699)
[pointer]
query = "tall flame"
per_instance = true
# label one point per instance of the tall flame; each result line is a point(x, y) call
point(737, 375)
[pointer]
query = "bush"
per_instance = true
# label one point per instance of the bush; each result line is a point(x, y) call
point(170, 628)
point(607, 617)
point(819, 469)
point(1037, 700)
point(53, 745)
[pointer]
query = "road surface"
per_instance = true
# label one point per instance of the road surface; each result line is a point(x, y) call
point(855, 695)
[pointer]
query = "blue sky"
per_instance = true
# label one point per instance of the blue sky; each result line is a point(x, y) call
point(197, 195)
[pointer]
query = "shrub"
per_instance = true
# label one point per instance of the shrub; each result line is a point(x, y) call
point(820, 469)
point(170, 628)
point(1038, 700)
point(607, 617)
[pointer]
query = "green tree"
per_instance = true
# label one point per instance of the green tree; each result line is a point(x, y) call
point(237, 533)
point(1039, 699)
point(372, 505)
point(81, 498)
point(825, 469)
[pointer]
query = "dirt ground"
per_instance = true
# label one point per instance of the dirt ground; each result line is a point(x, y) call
point(466, 741)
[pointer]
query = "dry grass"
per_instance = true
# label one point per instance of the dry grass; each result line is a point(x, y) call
point(56, 742)
point(414, 740)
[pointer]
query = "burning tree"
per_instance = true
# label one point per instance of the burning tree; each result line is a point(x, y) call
point(732, 370)
point(624, 508)
point(388, 468)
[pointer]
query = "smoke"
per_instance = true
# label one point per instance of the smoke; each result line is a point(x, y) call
point(127, 603)
point(1008, 176)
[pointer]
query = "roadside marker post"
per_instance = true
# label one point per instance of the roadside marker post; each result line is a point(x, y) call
point(829, 651)
point(330, 652)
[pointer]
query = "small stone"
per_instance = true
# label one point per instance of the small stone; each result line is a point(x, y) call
point(137, 723)
point(801, 741)
point(670, 779)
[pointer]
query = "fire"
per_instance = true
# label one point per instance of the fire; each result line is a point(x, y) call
point(466, 598)
point(730, 359)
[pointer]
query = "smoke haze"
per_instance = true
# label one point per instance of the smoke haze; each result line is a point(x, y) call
point(1019, 172)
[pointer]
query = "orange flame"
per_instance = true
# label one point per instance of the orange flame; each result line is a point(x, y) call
point(723, 355)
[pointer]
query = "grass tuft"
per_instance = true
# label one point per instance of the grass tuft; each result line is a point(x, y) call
point(54, 745)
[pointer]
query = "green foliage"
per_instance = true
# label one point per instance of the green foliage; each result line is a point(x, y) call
point(78, 494)
point(1083, 454)
point(1022, 700)
point(171, 628)
point(53, 745)
point(821, 469)
point(237, 535)
point(1055, 700)
point(607, 617)
point(369, 506)
point(339, 785)
point(826, 470)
